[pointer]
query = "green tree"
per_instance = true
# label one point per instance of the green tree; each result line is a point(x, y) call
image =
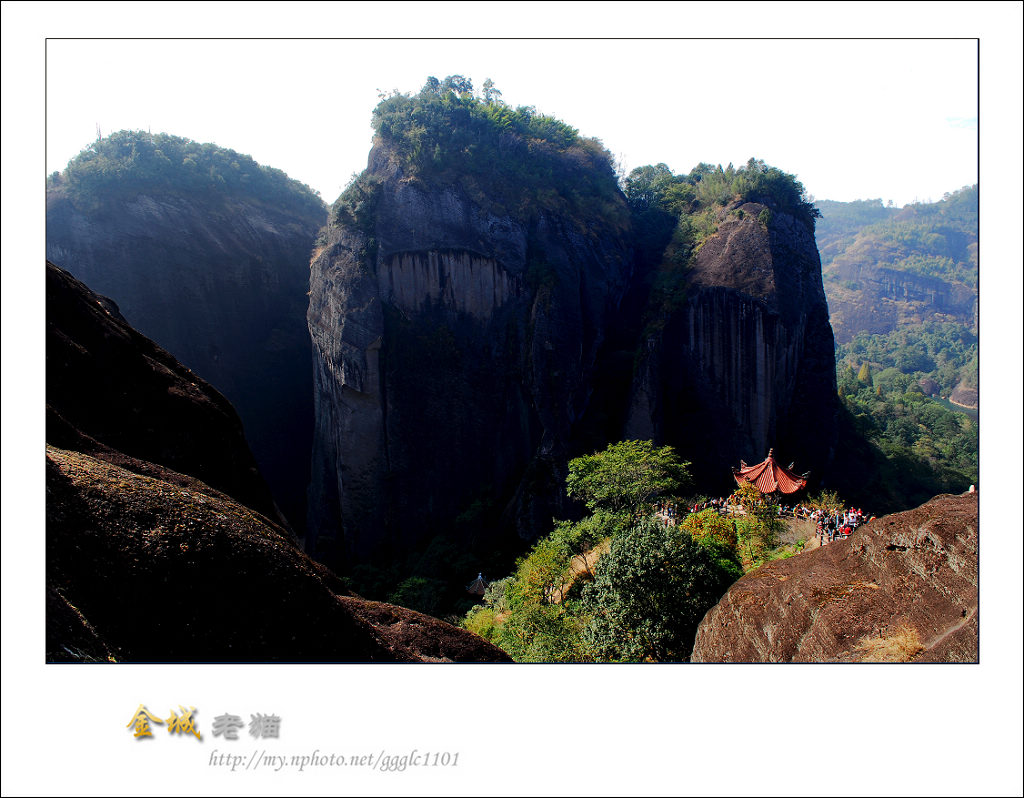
point(650, 593)
point(458, 84)
point(491, 94)
point(626, 477)
point(540, 616)
point(539, 624)
point(419, 593)
point(577, 539)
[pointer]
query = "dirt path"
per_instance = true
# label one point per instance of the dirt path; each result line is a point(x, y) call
point(798, 529)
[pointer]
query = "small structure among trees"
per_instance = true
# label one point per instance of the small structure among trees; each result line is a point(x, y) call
point(770, 477)
point(478, 586)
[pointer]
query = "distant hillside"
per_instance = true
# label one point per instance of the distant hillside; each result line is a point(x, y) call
point(902, 289)
point(885, 268)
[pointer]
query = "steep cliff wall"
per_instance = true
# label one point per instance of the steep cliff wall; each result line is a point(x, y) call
point(454, 346)
point(218, 279)
point(744, 362)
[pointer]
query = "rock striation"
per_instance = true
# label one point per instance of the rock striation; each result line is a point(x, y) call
point(454, 347)
point(745, 361)
point(162, 540)
point(902, 588)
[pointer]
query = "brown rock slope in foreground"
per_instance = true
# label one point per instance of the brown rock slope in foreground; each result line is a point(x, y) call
point(145, 563)
point(149, 570)
point(903, 588)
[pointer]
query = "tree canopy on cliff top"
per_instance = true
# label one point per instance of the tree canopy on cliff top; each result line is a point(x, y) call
point(131, 161)
point(512, 160)
point(707, 186)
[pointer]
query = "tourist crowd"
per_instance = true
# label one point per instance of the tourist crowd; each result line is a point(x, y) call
point(836, 526)
point(830, 526)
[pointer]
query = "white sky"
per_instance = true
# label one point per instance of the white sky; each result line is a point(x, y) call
point(857, 119)
point(851, 118)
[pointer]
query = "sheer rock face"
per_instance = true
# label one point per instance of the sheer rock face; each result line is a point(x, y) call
point(745, 362)
point(902, 588)
point(453, 349)
point(162, 542)
point(221, 283)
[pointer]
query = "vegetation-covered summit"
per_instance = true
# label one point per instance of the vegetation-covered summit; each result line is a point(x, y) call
point(508, 160)
point(673, 215)
point(128, 162)
point(707, 186)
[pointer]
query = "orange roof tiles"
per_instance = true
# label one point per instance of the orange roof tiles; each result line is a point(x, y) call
point(769, 476)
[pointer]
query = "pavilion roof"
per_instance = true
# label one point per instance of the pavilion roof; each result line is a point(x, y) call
point(769, 477)
point(478, 586)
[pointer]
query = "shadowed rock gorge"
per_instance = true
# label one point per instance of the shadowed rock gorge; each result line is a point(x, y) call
point(162, 541)
point(207, 253)
point(744, 362)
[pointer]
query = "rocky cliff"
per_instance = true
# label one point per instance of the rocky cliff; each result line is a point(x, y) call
point(745, 360)
point(216, 273)
point(902, 588)
point(161, 543)
point(454, 345)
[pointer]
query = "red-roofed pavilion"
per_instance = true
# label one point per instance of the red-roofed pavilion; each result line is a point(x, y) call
point(769, 476)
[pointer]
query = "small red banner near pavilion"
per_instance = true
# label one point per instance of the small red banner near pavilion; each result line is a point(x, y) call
point(769, 476)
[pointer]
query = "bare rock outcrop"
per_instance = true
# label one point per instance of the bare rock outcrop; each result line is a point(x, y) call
point(145, 570)
point(902, 588)
point(113, 393)
point(965, 396)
